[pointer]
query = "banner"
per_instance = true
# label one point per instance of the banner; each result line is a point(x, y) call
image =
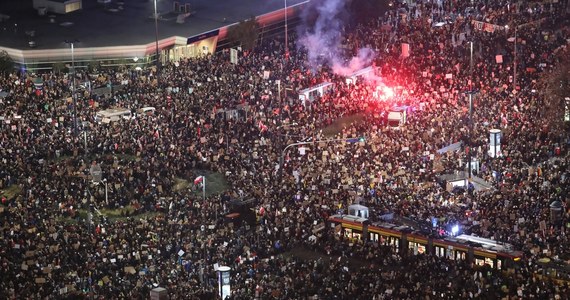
point(233, 56)
point(405, 50)
point(499, 59)
point(488, 27)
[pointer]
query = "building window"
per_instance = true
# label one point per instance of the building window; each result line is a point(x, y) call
point(72, 6)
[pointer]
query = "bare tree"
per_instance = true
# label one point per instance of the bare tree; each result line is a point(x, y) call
point(245, 33)
point(6, 63)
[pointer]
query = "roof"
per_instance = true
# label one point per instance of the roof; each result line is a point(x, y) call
point(64, 1)
point(358, 207)
point(97, 26)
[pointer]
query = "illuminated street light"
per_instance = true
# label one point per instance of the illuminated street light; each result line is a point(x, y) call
point(73, 97)
point(156, 33)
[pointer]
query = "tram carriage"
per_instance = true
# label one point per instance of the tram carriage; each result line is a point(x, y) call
point(403, 239)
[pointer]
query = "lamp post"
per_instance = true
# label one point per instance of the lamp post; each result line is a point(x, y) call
point(286, 33)
point(72, 44)
point(106, 192)
point(515, 62)
point(156, 35)
point(470, 124)
point(470, 107)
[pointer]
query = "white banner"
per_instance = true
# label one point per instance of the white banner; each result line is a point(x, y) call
point(233, 56)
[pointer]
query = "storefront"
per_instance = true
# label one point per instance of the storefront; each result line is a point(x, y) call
point(195, 46)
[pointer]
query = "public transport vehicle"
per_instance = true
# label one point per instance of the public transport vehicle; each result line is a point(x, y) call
point(405, 240)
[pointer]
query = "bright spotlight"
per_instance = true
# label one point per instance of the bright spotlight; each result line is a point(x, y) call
point(455, 229)
point(388, 92)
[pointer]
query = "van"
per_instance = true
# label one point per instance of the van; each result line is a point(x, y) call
point(112, 115)
point(397, 116)
point(147, 110)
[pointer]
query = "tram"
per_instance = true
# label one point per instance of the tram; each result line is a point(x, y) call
point(403, 239)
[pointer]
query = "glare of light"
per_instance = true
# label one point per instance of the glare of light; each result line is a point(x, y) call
point(388, 92)
point(455, 229)
point(384, 92)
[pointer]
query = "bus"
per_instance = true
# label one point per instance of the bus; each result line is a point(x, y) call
point(403, 239)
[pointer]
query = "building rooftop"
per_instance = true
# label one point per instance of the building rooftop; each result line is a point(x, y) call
point(127, 22)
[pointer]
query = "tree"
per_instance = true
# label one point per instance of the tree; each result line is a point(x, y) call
point(245, 33)
point(58, 67)
point(6, 63)
point(93, 66)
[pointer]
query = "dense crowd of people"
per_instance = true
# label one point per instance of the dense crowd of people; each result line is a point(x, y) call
point(235, 119)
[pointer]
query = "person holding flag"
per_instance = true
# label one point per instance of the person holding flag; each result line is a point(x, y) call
point(201, 180)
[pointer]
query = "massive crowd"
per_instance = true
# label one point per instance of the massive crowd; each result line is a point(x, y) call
point(51, 249)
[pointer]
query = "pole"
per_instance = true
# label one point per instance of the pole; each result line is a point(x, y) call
point(156, 33)
point(204, 188)
point(73, 90)
point(106, 193)
point(279, 91)
point(470, 133)
point(471, 65)
point(515, 62)
point(280, 102)
point(286, 34)
point(470, 113)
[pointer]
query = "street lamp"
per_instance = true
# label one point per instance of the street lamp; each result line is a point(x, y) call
point(470, 130)
point(470, 124)
point(106, 192)
point(73, 97)
point(286, 34)
point(515, 62)
point(156, 34)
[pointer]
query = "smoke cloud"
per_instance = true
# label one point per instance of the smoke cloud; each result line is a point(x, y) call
point(320, 33)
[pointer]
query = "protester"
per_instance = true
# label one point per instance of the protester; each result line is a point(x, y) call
point(231, 119)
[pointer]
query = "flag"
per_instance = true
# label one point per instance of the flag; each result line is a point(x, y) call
point(261, 126)
point(198, 180)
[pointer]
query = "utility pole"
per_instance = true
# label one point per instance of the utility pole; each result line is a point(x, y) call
point(73, 97)
point(286, 34)
point(156, 35)
point(515, 62)
point(470, 106)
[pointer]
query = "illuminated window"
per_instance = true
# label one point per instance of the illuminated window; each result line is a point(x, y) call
point(439, 251)
point(490, 262)
point(460, 255)
point(374, 237)
point(72, 6)
point(421, 249)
